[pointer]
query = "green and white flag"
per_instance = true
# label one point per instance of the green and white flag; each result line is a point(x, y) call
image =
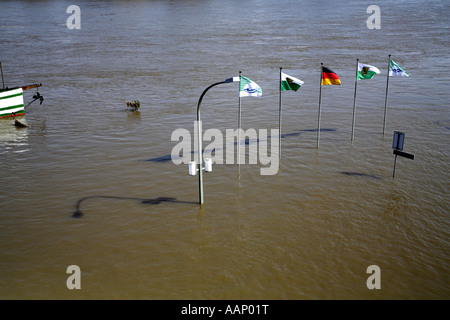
point(290, 83)
point(396, 70)
point(366, 71)
point(249, 88)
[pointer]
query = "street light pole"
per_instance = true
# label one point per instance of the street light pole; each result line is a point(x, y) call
point(200, 136)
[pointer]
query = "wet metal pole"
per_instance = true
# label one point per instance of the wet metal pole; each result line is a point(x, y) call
point(279, 118)
point(200, 135)
point(239, 126)
point(3, 79)
point(354, 102)
point(395, 163)
point(386, 98)
point(320, 101)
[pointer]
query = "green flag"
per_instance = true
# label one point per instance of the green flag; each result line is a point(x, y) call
point(290, 83)
point(366, 71)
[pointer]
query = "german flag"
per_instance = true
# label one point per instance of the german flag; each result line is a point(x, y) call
point(329, 77)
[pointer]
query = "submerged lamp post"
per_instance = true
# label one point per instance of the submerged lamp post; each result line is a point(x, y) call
point(193, 166)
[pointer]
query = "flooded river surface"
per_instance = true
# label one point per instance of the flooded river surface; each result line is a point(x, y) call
point(310, 231)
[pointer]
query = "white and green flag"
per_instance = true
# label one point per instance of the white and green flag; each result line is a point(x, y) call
point(249, 88)
point(366, 71)
point(290, 83)
point(396, 70)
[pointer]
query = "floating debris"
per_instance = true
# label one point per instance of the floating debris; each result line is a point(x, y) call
point(19, 124)
point(133, 105)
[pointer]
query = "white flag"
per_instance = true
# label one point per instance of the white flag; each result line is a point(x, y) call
point(249, 88)
point(396, 70)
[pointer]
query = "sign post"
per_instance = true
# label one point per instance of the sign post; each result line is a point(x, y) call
point(397, 145)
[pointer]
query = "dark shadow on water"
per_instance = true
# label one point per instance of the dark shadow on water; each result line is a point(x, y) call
point(358, 174)
point(287, 135)
point(321, 130)
point(165, 158)
point(78, 213)
point(247, 141)
point(442, 123)
point(296, 134)
point(168, 157)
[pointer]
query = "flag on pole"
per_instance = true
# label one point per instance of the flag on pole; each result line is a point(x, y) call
point(329, 77)
point(396, 70)
point(290, 83)
point(366, 71)
point(249, 88)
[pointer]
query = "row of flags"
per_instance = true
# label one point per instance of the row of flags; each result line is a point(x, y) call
point(366, 71)
point(249, 88)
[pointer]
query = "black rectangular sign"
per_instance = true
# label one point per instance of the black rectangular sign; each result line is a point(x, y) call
point(404, 154)
point(399, 139)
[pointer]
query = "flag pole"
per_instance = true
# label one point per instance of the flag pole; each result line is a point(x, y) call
point(239, 123)
point(320, 101)
point(3, 79)
point(385, 99)
point(279, 120)
point(354, 101)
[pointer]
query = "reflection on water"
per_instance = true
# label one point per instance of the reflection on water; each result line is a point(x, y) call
point(12, 137)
